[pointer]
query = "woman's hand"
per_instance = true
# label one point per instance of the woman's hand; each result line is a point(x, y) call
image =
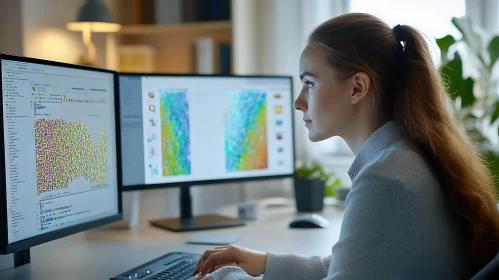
point(200, 277)
point(251, 261)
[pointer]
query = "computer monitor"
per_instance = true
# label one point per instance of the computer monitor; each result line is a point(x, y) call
point(183, 130)
point(59, 167)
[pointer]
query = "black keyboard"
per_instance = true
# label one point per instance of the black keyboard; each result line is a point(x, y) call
point(172, 266)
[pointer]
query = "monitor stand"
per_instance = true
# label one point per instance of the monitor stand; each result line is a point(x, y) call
point(187, 222)
point(21, 258)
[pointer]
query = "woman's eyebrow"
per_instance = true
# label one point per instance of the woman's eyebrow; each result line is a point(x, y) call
point(306, 73)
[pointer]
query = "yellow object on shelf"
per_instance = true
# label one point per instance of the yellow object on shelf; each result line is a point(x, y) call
point(136, 58)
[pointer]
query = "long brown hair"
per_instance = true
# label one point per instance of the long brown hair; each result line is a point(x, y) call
point(407, 88)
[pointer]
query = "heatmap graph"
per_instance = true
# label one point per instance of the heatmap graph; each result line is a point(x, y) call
point(64, 152)
point(246, 131)
point(175, 134)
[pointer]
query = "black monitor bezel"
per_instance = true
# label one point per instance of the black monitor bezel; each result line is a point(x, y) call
point(5, 247)
point(218, 181)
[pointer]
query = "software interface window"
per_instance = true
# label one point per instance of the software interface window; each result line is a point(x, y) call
point(59, 132)
point(204, 128)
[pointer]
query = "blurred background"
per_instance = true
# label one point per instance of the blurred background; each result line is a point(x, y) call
point(238, 37)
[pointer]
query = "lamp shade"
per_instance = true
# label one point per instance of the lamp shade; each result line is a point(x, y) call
point(95, 16)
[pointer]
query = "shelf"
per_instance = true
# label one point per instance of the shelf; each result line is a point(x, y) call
point(150, 29)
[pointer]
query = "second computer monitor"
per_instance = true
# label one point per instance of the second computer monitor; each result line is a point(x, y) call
point(179, 129)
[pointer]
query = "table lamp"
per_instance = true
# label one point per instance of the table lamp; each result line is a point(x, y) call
point(93, 17)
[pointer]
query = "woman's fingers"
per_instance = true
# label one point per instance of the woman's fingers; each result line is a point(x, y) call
point(205, 255)
point(223, 246)
point(217, 258)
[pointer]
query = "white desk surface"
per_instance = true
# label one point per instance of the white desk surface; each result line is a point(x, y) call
point(104, 253)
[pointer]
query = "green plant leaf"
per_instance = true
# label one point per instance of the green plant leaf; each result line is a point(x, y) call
point(452, 73)
point(337, 183)
point(470, 117)
point(444, 44)
point(466, 92)
point(495, 113)
point(493, 49)
point(492, 159)
point(329, 191)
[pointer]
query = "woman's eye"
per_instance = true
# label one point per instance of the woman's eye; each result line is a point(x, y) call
point(309, 84)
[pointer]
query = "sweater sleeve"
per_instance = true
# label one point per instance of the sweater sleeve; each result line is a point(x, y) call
point(379, 237)
point(231, 273)
point(293, 267)
point(280, 266)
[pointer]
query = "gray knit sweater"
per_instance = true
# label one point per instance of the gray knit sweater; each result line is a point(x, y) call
point(397, 223)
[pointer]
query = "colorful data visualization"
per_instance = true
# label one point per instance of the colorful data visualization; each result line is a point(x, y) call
point(246, 131)
point(175, 134)
point(64, 152)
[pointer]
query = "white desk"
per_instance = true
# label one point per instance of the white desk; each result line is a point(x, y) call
point(101, 254)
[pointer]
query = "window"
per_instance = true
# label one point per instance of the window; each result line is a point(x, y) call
point(429, 16)
point(433, 18)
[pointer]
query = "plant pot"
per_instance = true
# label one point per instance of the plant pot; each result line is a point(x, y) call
point(309, 195)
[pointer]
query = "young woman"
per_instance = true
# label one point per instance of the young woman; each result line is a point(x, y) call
point(422, 203)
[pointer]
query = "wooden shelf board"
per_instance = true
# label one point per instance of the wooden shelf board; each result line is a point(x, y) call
point(149, 29)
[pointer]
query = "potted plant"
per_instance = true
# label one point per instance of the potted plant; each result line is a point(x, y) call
point(311, 185)
point(477, 96)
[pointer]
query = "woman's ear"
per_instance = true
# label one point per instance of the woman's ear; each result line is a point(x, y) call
point(361, 84)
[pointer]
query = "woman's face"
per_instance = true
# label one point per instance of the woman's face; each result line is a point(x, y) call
point(324, 99)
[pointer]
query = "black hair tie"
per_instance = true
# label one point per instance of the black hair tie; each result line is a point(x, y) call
point(397, 67)
point(401, 37)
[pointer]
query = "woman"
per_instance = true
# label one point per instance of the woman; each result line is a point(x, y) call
point(422, 204)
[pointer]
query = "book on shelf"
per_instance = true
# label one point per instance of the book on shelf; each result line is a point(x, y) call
point(189, 11)
point(162, 11)
point(177, 11)
point(209, 10)
point(212, 57)
point(225, 59)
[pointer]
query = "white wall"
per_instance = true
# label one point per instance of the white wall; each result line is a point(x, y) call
point(11, 32)
point(45, 34)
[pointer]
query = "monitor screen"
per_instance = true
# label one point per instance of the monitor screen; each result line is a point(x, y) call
point(59, 133)
point(178, 129)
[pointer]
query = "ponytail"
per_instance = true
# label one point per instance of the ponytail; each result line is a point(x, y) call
point(407, 88)
point(467, 181)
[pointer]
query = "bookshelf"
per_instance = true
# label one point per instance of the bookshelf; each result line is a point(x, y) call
point(173, 44)
point(166, 33)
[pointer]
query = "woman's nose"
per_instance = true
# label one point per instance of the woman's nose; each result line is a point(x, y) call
point(300, 103)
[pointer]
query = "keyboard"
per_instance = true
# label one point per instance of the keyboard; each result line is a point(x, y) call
point(172, 266)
